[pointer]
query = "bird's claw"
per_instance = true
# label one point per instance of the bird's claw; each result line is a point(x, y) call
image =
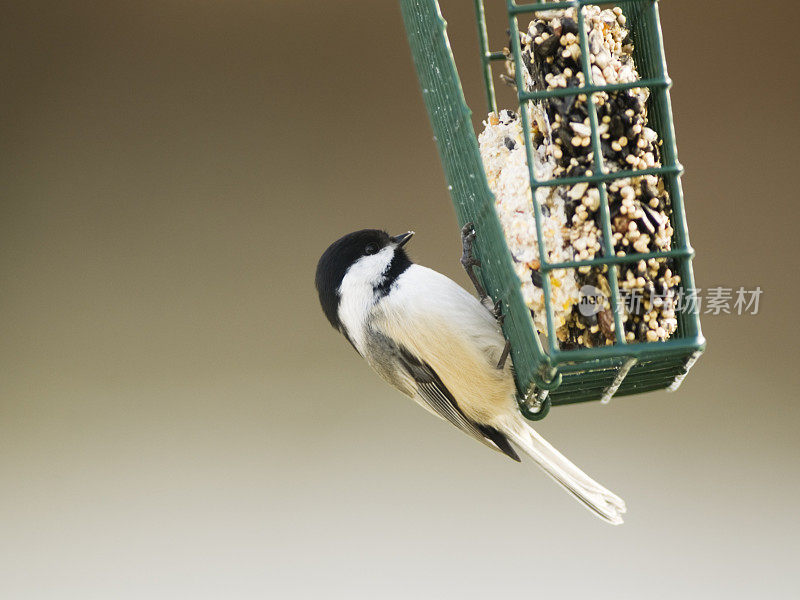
point(467, 239)
point(497, 311)
point(468, 260)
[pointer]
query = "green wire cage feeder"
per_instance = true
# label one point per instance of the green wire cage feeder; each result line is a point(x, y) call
point(546, 374)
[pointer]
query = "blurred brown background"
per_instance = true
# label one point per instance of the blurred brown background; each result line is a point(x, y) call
point(178, 420)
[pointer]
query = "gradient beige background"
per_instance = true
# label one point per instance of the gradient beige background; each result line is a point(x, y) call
point(178, 420)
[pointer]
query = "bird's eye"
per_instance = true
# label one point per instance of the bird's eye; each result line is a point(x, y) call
point(371, 248)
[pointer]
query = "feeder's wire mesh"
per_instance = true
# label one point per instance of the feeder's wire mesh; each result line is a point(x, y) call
point(546, 374)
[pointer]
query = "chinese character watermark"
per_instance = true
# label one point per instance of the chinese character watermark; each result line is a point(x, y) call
point(718, 300)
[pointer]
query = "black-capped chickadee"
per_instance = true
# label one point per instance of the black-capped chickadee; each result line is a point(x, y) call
point(435, 342)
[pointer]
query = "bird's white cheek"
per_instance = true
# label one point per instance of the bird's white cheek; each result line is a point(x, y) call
point(368, 270)
point(357, 293)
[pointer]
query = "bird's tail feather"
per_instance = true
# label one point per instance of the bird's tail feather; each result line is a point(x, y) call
point(603, 503)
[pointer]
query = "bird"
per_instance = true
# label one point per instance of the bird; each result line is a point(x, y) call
point(442, 346)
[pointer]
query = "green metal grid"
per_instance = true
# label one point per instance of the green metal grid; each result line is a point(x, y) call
point(546, 375)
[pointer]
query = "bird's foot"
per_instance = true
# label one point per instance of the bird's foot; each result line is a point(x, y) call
point(497, 311)
point(468, 260)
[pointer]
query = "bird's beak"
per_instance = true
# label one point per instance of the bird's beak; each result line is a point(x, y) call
point(402, 239)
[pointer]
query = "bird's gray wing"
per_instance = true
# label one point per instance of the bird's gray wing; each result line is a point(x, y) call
point(438, 398)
